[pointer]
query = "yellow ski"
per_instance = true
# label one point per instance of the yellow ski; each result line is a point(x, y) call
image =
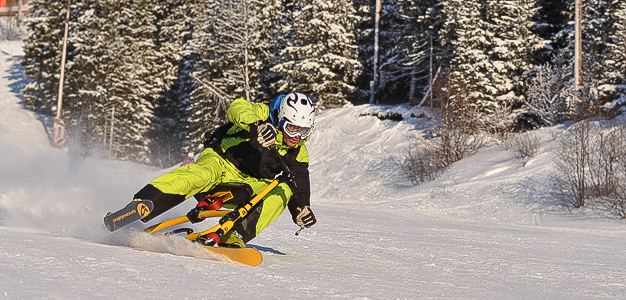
point(246, 256)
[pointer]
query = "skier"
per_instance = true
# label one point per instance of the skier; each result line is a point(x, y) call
point(243, 154)
point(188, 160)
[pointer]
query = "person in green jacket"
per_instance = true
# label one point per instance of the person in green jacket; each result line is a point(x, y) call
point(243, 155)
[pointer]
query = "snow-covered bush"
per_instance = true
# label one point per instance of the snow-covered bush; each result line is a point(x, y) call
point(422, 161)
point(522, 145)
point(607, 166)
point(571, 159)
point(591, 165)
point(455, 134)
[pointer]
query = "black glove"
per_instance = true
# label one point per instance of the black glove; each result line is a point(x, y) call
point(265, 133)
point(306, 217)
point(193, 215)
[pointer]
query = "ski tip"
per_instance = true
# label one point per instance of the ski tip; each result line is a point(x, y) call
point(244, 256)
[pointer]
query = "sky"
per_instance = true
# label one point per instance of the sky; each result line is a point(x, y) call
point(487, 228)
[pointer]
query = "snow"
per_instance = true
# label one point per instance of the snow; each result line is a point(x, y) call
point(486, 229)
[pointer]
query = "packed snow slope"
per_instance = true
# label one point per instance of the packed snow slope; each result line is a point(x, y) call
point(487, 229)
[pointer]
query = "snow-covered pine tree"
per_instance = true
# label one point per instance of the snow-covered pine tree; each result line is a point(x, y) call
point(321, 54)
point(557, 73)
point(364, 38)
point(396, 28)
point(421, 43)
point(596, 27)
point(239, 48)
point(549, 21)
point(612, 40)
point(111, 62)
point(132, 88)
point(493, 48)
point(616, 56)
point(170, 123)
point(205, 104)
point(514, 47)
point(272, 22)
point(466, 31)
point(88, 69)
point(42, 54)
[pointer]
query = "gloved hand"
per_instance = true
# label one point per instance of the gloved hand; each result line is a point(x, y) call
point(306, 217)
point(193, 215)
point(265, 132)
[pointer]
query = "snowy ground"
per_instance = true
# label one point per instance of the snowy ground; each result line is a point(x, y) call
point(487, 229)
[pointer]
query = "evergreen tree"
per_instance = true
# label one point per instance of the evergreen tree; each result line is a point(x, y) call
point(549, 21)
point(240, 48)
point(395, 27)
point(615, 71)
point(89, 68)
point(595, 26)
point(42, 54)
point(364, 38)
point(205, 104)
point(514, 46)
point(425, 55)
point(132, 87)
point(321, 55)
point(273, 21)
point(467, 33)
point(494, 48)
point(596, 33)
point(170, 124)
point(111, 63)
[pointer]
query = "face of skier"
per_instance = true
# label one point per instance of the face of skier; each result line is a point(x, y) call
point(290, 141)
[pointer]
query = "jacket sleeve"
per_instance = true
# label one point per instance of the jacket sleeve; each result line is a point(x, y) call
point(300, 169)
point(243, 113)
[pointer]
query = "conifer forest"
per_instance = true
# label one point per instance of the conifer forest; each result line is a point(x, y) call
point(150, 77)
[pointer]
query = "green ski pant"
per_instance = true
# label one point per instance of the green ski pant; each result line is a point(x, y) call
point(210, 170)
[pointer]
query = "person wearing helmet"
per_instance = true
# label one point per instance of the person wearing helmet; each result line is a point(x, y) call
point(242, 154)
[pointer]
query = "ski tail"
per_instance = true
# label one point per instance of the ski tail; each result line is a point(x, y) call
point(134, 211)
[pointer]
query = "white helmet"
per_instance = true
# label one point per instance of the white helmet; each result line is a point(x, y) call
point(297, 109)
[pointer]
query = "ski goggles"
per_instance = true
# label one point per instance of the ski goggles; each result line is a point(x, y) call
point(294, 130)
